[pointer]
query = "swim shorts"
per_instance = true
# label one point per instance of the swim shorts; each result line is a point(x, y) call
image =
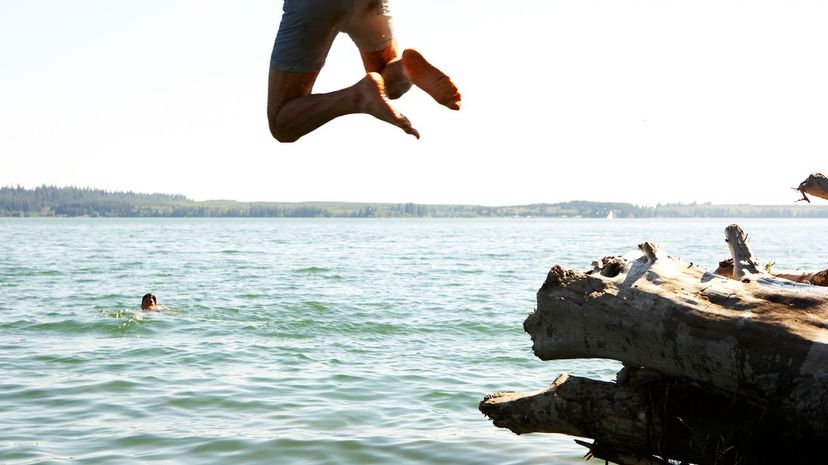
point(308, 29)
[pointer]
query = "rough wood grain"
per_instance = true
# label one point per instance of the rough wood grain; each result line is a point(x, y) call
point(816, 278)
point(645, 418)
point(764, 340)
point(723, 369)
point(816, 184)
point(744, 263)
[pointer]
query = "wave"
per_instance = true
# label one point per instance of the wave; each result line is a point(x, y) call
point(312, 270)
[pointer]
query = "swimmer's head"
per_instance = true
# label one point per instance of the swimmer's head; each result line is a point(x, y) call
point(147, 301)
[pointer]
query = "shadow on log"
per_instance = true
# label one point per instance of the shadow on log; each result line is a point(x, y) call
point(644, 423)
point(718, 370)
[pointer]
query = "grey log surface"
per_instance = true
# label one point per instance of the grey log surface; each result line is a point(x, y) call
point(816, 184)
point(744, 263)
point(721, 369)
point(763, 340)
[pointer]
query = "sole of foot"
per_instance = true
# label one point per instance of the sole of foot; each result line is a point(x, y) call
point(375, 102)
point(430, 79)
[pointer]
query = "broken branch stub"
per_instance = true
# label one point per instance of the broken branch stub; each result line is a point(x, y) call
point(765, 341)
point(816, 184)
point(744, 263)
point(644, 423)
point(717, 370)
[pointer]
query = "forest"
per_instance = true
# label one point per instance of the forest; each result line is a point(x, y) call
point(53, 201)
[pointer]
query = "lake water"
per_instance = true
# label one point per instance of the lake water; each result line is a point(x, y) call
point(301, 341)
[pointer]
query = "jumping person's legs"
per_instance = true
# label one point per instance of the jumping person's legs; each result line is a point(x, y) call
point(427, 77)
point(387, 62)
point(305, 36)
point(370, 29)
point(293, 111)
point(400, 72)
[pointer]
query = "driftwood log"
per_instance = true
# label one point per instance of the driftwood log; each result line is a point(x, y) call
point(817, 278)
point(816, 185)
point(635, 421)
point(718, 370)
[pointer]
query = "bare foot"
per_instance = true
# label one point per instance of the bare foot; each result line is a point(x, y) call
point(430, 79)
point(396, 80)
point(375, 102)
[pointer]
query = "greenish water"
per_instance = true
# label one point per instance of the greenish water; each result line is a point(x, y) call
point(300, 341)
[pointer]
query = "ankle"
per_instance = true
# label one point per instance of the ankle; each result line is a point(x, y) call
point(397, 80)
point(366, 91)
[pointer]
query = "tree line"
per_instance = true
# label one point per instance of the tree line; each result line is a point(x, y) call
point(50, 201)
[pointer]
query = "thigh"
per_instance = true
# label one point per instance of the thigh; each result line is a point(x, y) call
point(284, 86)
point(370, 25)
point(306, 32)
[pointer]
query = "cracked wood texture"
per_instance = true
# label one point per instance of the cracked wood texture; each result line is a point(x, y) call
point(763, 340)
point(644, 418)
point(721, 369)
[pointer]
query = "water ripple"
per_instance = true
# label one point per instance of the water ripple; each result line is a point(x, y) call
point(308, 342)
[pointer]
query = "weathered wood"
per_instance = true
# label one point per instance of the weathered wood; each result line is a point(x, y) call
point(816, 184)
point(607, 412)
point(574, 406)
point(723, 369)
point(618, 454)
point(816, 278)
point(651, 419)
point(764, 340)
point(744, 264)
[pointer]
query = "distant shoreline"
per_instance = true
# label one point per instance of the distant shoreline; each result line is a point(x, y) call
point(50, 201)
point(424, 218)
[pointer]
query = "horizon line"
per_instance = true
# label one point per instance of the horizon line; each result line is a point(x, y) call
point(794, 203)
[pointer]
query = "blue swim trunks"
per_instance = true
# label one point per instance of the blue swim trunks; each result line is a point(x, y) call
point(308, 29)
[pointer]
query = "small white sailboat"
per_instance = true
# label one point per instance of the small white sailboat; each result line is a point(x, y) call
point(610, 216)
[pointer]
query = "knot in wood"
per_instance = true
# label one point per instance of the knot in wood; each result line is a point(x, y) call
point(610, 266)
point(559, 277)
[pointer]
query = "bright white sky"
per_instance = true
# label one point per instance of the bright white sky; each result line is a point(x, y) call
point(607, 100)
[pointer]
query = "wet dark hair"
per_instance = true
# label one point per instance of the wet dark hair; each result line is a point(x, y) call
point(148, 296)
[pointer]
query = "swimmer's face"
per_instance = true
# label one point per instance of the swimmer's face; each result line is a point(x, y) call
point(147, 302)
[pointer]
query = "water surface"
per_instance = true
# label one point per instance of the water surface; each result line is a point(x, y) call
point(300, 341)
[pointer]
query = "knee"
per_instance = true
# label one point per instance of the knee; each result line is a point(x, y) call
point(278, 132)
point(282, 136)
